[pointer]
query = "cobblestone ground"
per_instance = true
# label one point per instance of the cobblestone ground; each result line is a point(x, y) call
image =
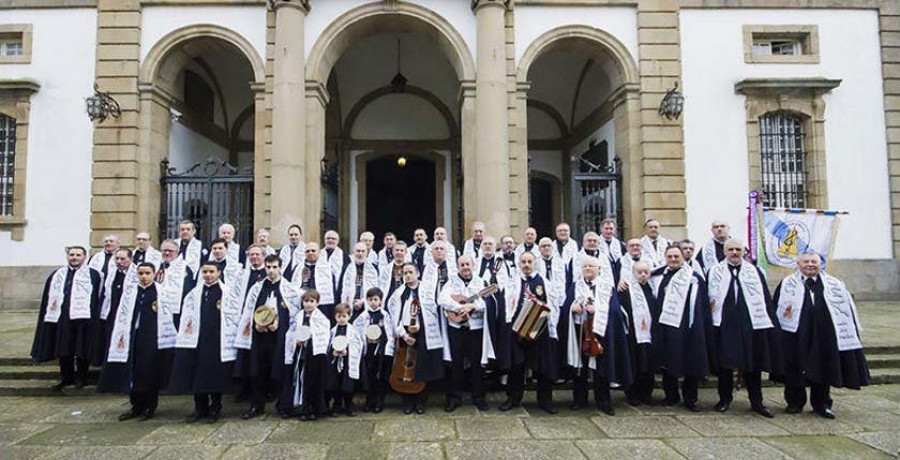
point(84, 426)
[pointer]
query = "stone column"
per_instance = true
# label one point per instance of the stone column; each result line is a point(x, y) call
point(288, 166)
point(118, 205)
point(467, 149)
point(316, 102)
point(491, 117)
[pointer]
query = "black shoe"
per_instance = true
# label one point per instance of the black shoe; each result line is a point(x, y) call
point(214, 416)
point(420, 408)
point(146, 416)
point(368, 407)
point(285, 414)
point(606, 409)
point(692, 407)
point(793, 410)
point(451, 406)
point(507, 405)
point(722, 406)
point(303, 417)
point(482, 405)
point(377, 409)
point(548, 408)
point(826, 413)
point(408, 409)
point(79, 384)
point(59, 386)
point(576, 406)
point(761, 409)
point(127, 416)
point(253, 412)
point(350, 411)
point(192, 418)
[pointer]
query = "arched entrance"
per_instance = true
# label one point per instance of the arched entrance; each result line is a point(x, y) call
point(200, 90)
point(393, 78)
point(583, 116)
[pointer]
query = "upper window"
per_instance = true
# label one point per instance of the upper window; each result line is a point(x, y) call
point(785, 44)
point(15, 43)
point(7, 163)
point(782, 149)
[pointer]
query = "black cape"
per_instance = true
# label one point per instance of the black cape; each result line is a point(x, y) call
point(201, 370)
point(148, 367)
point(69, 337)
point(811, 354)
point(682, 351)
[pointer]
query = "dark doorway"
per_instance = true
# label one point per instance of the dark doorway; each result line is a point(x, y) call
point(542, 206)
point(400, 200)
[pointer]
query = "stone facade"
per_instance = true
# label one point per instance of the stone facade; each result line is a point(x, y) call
point(290, 91)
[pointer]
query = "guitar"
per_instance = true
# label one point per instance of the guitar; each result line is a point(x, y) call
point(403, 373)
point(460, 318)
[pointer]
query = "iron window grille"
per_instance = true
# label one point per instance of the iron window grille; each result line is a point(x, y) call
point(7, 163)
point(782, 148)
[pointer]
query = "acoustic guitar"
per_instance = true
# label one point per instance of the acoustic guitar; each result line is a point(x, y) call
point(403, 373)
point(462, 318)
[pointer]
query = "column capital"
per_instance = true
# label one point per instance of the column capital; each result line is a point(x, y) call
point(478, 4)
point(302, 5)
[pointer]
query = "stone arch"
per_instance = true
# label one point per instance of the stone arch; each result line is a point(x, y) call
point(155, 61)
point(622, 107)
point(627, 68)
point(420, 93)
point(405, 17)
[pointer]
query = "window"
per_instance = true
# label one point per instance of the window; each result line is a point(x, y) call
point(784, 44)
point(15, 43)
point(782, 149)
point(11, 47)
point(7, 163)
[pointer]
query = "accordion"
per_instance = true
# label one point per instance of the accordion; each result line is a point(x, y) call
point(532, 319)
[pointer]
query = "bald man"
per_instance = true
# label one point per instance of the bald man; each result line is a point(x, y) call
point(713, 251)
point(472, 246)
point(144, 251)
point(743, 319)
point(440, 234)
point(234, 250)
point(104, 261)
point(529, 244)
point(359, 276)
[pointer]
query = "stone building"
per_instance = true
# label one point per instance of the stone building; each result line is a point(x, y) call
point(387, 115)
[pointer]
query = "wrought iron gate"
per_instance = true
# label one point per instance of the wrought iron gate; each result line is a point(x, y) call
point(597, 196)
point(209, 193)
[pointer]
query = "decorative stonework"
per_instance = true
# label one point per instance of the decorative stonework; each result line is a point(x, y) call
point(801, 96)
point(15, 101)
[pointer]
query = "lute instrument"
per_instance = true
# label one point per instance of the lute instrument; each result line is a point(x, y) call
point(403, 373)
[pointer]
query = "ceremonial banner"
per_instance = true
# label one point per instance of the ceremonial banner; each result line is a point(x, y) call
point(792, 232)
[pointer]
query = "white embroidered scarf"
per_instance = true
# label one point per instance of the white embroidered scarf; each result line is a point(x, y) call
point(751, 289)
point(120, 340)
point(656, 256)
point(191, 317)
point(400, 313)
point(840, 306)
point(676, 293)
point(80, 301)
point(640, 314)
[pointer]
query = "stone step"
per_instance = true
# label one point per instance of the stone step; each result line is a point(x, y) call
point(40, 387)
point(37, 373)
point(884, 376)
point(886, 361)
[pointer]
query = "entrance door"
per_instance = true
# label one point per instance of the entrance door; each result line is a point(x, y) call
point(400, 199)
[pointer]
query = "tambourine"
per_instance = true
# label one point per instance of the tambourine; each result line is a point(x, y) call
point(265, 315)
point(339, 343)
point(373, 332)
point(303, 333)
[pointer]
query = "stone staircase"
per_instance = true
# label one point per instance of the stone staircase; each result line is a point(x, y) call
point(21, 377)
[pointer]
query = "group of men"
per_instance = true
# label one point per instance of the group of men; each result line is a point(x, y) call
point(602, 314)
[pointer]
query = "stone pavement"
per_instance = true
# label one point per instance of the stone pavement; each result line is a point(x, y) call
point(83, 425)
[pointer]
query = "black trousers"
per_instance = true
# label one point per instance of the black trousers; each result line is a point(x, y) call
point(580, 386)
point(204, 403)
point(688, 389)
point(641, 388)
point(73, 368)
point(819, 396)
point(465, 344)
point(752, 380)
point(412, 400)
point(515, 386)
point(377, 373)
point(144, 401)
